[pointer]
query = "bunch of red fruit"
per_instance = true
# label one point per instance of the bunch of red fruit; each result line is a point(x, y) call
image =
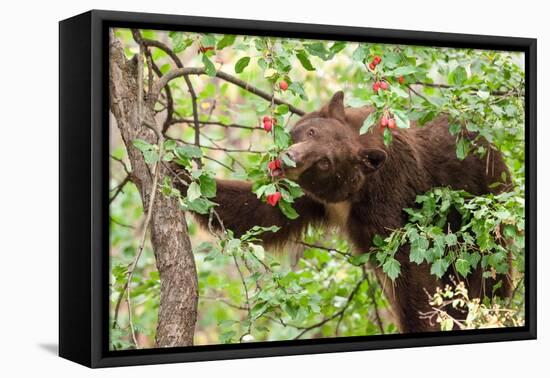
point(283, 85)
point(387, 121)
point(274, 164)
point(273, 199)
point(375, 61)
point(380, 84)
point(269, 122)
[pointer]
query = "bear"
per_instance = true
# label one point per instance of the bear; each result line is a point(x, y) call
point(361, 186)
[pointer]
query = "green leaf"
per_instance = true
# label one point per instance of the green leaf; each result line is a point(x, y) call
point(439, 267)
point(287, 209)
point(179, 42)
point(371, 119)
point(458, 76)
point(483, 94)
point(451, 240)
point(281, 137)
point(402, 71)
point(298, 90)
point(399, 92)
point(392, 268)
point(194, 191)
point(208, 41)
point(188, 151)
point(142, 145)
point(207, 185)
point(290, 308)
point(281, 109)
point(208, 66)
point(265, 190)
point(447, 324)
point(401, 119)
point(227, 337)
point(227, 40)
point(388, 137)
point(378, 241)
point(318, 49)
point(418, 250)
point(241, 64)
point(271, 73)
point(359, 260)
point(170, 145)
point(168, 156)
point(463, 267)
point(200, 205)
point(337, 47)
point(360, 53)
point(455, 128)
point(151, 156)
point(303, 58)
point(258, 310)
point(461, 148)
point(288, 161)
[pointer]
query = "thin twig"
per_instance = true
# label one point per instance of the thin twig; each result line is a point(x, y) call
point(336, 314)
point(372, 296)
point(245, 292)
point(310, 245)
point(120, 187)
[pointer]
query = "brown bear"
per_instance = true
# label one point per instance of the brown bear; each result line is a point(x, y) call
point(358, 184)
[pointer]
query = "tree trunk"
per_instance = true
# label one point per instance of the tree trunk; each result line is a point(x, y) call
point(169, 235)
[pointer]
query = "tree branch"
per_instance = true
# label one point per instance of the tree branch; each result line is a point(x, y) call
point(218, 123)
point(224, 76)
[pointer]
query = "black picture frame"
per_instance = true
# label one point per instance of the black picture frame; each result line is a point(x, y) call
point(83, 181)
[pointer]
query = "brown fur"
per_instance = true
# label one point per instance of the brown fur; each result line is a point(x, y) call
point(360, 185)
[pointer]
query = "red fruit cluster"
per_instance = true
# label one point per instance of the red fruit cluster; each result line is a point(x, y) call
point(375, 61)
point(274, 164)
point(401, 79)
point(268, 123)
point(283, 85)
point(387, 121)
point(380, 84)
point(274, 198)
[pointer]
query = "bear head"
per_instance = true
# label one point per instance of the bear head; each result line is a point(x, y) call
point(332, 164)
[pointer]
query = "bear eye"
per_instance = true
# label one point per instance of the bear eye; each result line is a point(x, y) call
point(311, 132)
point(323, 164)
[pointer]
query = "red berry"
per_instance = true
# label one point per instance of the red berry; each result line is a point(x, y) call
point(401, 79)
point(268, 125)
point(274, 164)
point(376, 60)
point(391, 123)
point(376, 86)
point(272, 199)
point(266, 118)
point(384, 85)
point(372, 66)
point(384, 121)
point(283, 85)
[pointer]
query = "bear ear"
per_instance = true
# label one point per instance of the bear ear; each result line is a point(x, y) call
point(336, 107)
point(372, 158)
